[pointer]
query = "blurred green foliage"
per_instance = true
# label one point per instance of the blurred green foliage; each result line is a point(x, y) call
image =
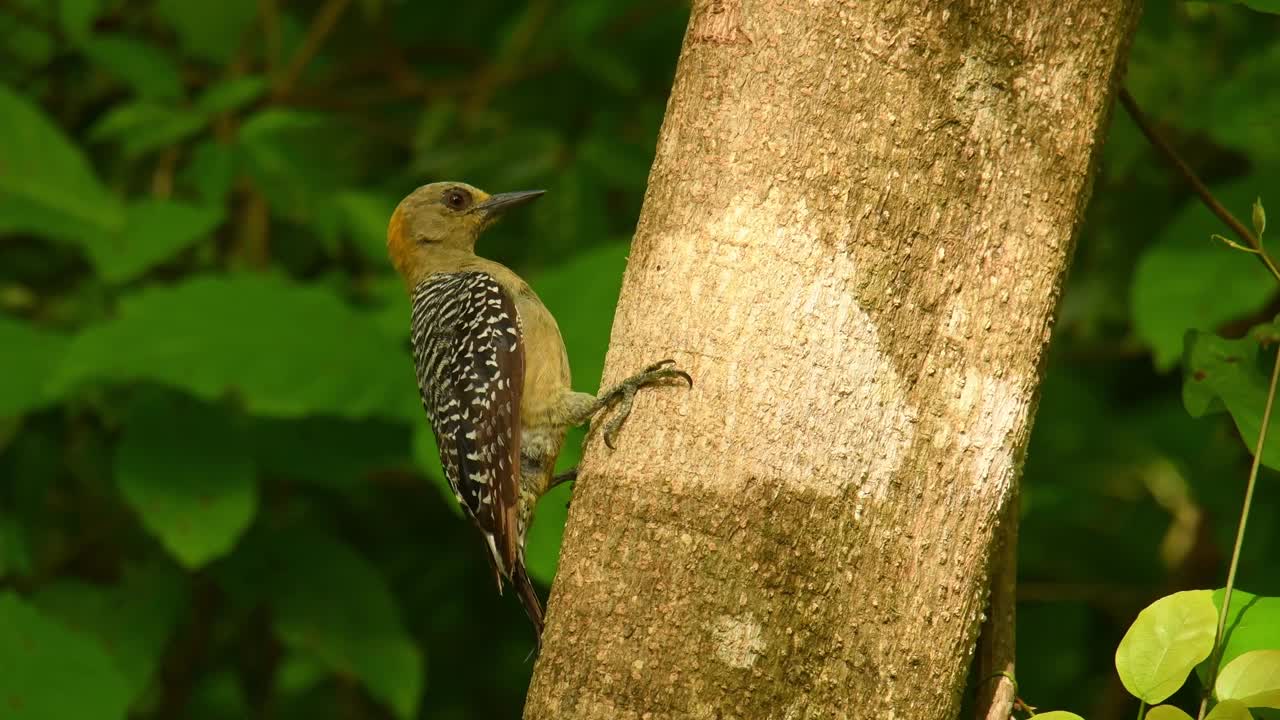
point(218, 496)
point(219, 492)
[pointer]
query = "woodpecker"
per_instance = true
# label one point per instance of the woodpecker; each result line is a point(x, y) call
point(492, 371)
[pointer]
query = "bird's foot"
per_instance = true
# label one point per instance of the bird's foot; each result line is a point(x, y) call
point(567, 476)
point(624, 393)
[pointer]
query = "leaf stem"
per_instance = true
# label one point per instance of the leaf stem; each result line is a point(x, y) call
point(1235, 553)
point(1142, 708)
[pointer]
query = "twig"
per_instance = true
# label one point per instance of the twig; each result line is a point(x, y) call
point(1235, 553)
point(162, 176)
point(270, 13)
point(321, 26)
point(188, 651)
point(1206, 196)
point(495, 76)
point(254, 245)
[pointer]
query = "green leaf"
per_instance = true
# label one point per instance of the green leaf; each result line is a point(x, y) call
point(52, 673)
point(1252, 678)
point(331, 603)
point(606, 67)
point(29, 45)
point(1165, 643)
point(1229, 710)
point(1253, 623)
point(1060, 715)
point(145, 126)
point(542, 552)
point(278, 148)
point(299, 673)
point(1163, 712)
point(131, 621)
point(1233, 375)
point(46, 186)
point(31, 354)
point(15, 559)
point(211, 171)
point(625, 165)
point(209, 31)
point(520, 159)
point(434, 125)
point(573, 214)
point(187, 472)
point(365, 217)
point(582, 293)
point(154, 231)
point(219, 696)
point(1185, 280)
point(1267, 6)
point(286, 350)
point(328, 452)
point(77, 17)
point(426, 455)
point(144, 68)
point(1234, 114)
point(231, 94)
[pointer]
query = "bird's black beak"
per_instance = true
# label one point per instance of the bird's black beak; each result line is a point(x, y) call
point(502, 202)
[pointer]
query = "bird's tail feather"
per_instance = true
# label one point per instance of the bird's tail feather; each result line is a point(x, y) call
point(528, 598)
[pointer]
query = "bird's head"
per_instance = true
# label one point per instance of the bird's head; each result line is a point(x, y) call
point(444, 219)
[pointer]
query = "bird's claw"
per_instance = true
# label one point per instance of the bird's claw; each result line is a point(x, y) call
point(625, 393)
point(657, 369)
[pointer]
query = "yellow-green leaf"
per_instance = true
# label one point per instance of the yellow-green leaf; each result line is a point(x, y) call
point(1253, 679)
point(1165, 712)
point(1229, 710)
point(1165, 642)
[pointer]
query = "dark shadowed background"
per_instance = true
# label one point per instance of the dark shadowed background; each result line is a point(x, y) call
point(218, 494)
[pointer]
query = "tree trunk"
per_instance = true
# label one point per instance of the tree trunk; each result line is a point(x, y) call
point(854, 238)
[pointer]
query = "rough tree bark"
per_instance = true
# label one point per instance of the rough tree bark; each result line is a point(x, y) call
point(854, 237)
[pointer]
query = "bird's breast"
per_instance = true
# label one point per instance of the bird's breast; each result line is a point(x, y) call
point(546, 365)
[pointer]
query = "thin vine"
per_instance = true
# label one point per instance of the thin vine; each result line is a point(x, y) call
point(1253, 244)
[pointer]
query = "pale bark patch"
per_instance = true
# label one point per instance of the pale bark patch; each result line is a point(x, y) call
point(997, 407)
point(739, 640)
point(836, 359)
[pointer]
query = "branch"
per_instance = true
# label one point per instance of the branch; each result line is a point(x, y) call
point(1144, 124)
point(270, 14)
point(321, 26)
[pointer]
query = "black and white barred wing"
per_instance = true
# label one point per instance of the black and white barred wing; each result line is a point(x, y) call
point(470, 365)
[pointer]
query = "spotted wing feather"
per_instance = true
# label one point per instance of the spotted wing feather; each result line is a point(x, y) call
point(470, 365)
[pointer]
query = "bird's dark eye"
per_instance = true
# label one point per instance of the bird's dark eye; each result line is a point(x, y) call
point(457, 199)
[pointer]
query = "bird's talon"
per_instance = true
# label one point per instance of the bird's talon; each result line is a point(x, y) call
point(623, 395)
point(659, 365)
